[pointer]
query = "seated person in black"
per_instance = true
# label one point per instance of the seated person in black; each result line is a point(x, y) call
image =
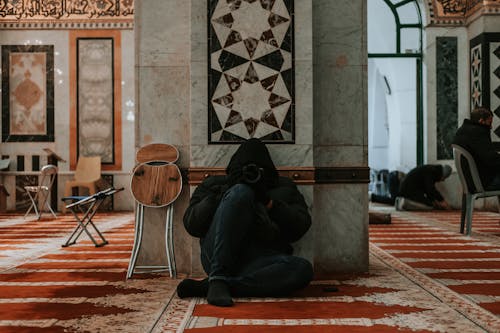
point(475, 136)
point(246, 221)
point(418, 190)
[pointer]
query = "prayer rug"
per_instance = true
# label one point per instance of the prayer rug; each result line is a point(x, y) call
point(385, 300)
point(430, 243)
point(424, 277)
point(81, 288)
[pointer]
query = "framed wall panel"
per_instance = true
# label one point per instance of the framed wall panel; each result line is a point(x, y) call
point(251, 71)
point(28, 93)
point(485, 77)
point(446, 95)
point(95, 128)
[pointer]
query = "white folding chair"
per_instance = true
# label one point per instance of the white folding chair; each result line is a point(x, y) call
point(472, 187)
point(39, 194)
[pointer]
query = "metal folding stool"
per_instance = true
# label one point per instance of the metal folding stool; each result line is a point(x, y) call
point(169, 245)
point(87, 206)
point(156, 183)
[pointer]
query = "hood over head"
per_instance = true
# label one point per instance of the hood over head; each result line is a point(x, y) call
point(253, 151)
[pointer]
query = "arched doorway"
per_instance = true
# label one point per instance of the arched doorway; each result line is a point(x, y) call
point(395, 84)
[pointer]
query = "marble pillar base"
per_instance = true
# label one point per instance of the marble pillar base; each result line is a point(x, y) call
point(340, 215)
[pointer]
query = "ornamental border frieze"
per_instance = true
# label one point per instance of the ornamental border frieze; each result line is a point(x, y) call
point(66, 14)
point(460, 12)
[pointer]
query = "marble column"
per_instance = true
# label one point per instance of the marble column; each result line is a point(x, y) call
point(330, 123)
point(162, 38)
point(340, 134)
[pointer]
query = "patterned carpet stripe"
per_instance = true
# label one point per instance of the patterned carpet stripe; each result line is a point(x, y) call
point(316, 310)
point(61, 311)
point(447, 250)
point(80, 288)
point(83, 288)
point(319, 328)
point(448, 255)
point(62, 276)
point(408, 308)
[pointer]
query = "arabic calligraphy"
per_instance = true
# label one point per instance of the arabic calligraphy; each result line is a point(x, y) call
point(65, 9)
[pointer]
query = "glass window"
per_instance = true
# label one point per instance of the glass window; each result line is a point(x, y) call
point(381, 28)
point(408, 14)
point(394, 27)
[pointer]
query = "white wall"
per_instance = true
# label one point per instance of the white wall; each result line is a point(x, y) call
point(398, 152)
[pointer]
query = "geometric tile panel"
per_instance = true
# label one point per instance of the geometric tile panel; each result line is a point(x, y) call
point(476, 77)
point(494, 70)
point(251, 71)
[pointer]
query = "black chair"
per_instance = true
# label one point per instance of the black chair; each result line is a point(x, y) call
point(472, 187)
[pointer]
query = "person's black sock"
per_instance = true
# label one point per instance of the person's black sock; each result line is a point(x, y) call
point(218, 293)
point(192, 288)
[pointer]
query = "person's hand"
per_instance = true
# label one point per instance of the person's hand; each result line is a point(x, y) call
point(442, 205)
point(269, 204)
point(260, 191)
point(219, 192)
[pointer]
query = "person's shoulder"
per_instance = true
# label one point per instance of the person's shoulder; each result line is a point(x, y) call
point(286, 181)
point(214, 180)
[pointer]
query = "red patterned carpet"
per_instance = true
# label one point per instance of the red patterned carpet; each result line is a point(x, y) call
point(81, 288)
point(424, 277)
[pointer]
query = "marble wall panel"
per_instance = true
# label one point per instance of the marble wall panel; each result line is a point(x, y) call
point(199, 25)
point(95, 95)
point(164, 107)
point(27, 93)
point(128, 101)
point(447, 94)
point(341, 238)
point(304, 103)
point(251, 71)
point(162, 35)
point(199, 89)
point(303, 32)
point(340, 156)
point(339, 113)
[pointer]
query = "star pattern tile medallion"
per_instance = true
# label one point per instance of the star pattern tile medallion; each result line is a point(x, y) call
point(476, 78)
point(251, 73)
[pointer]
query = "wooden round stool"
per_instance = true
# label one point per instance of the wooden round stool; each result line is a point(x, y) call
point(156, 182)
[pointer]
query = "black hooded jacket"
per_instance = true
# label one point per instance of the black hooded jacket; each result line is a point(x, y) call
point(289, 211)
point(476, 139)
point(419, 184)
